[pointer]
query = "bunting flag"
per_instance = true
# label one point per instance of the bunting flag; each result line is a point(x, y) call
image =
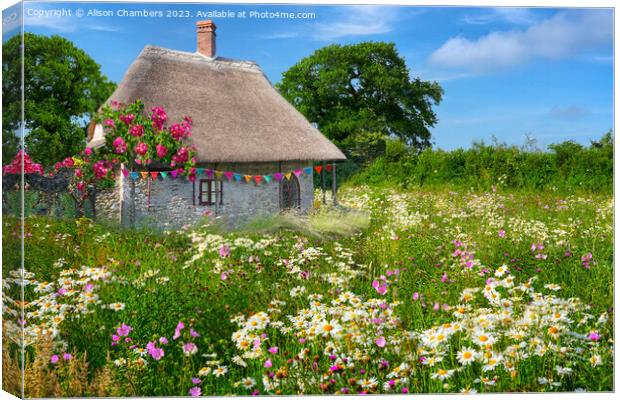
point(229, 175)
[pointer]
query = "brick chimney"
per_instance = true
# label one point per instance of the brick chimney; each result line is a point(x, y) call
point(205, 37)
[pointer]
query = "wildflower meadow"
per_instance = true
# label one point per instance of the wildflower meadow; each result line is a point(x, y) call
point(417, 291)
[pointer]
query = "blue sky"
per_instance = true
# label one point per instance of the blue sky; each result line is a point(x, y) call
point(507, 72)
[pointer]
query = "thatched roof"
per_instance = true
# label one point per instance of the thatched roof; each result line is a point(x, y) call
point(238, 115)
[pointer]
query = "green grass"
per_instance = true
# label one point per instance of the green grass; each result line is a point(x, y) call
point(210, 276)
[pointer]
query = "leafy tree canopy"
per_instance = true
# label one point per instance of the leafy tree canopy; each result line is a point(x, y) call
point(63, 89)
point(356, 92)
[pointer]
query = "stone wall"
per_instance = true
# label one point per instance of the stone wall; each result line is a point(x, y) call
point(175, 202)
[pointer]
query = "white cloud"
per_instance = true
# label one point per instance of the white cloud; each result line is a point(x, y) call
point(358, 21)
point(564, 34)
point(518, 16)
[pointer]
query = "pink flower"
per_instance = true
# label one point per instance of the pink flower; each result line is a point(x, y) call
point(137, 130)
point(124, 330)
point(380, 288)
point(193, 333)
point(159, 117)
point(223, 276)
point(501, 233)
point(66, 356)
point(416, 296)
point(268, 363)
point(119, 145)
point(127, 119)
point(196, 381)
point(154, 351)
point(116, 338)
point(224, 251)
point(273, 350)
point(163, 340)
point(380, 341)
point(141, 148)
point(177, 131)
point(88, 151)
point(594, 336)
point(54, 359)
point(189, 348)
point(177, 330)
point(444, 278)
point(195, 391)
point(110, 122)
point(162, 151)
point(436, 307)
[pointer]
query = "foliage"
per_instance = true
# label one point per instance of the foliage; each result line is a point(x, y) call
point(567, 167)
point(63, 88)
point(391, 308)
point(357, 94)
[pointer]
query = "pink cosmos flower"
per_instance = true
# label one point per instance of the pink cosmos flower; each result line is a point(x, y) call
point(163, 340)
point(416, 296)
point(124, 330)
point(268, 363)
point(594, 336)
point(141, 148)
point(501, 233)
point(380, 288)
point(177, 330)
point(193, 333)
point(66, 356)
point(273, 350)
point(189, 348)
point(223, 276)
point(195, 391)
point(196, 381)
point(380, 341)
point(54, 359)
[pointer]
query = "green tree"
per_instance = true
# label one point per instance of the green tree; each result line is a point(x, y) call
point(63, 87)
point(354, 92)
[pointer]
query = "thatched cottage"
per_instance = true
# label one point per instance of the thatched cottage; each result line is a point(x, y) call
point(241, 124)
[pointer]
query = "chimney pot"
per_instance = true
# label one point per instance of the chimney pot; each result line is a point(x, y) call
point(205, 37)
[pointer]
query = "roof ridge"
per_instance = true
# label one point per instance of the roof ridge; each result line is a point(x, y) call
point(218, 61)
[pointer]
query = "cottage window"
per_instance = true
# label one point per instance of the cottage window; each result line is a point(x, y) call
point(211, 191)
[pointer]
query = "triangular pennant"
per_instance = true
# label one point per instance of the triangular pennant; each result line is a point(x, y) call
point(308, 170)
point(134, 175)
point(328, 167)
point(125, 172)
point(238, 177)
point(164, 174)
point(154, 174)
point(218, 174)
point(278, 176)
point(228, 175)
point(144, 174)
point(199, 171)
point(318, 169)
point(248, 178)
point(257, 178)
point(297, 172)
point(209, 173)
point(174, 173)
point(267, 178)
point(288, 175)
